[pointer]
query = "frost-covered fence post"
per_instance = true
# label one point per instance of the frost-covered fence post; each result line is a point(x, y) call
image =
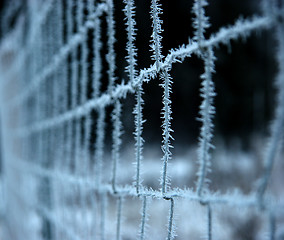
point(200, 24)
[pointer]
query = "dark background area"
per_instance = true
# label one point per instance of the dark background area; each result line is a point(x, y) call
point(243, 78)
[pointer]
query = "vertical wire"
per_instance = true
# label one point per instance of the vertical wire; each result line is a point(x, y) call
point(116, 118)
point(138, 135)
point(119, 216)
point(63, 99)
point(74, 133)
point(156, 40)
point(57, 108)
point(46, 182)
point(143, 218)
point(70, 104)
point(171, 221)
point(103, 213)
point(166, 127)
point(209, 221)
point(207, 111)
point(110, 57)
point(272, 225)
point(85, 121)
point(131, 59)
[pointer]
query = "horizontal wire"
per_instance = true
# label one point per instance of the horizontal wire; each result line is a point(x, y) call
point(230, 199)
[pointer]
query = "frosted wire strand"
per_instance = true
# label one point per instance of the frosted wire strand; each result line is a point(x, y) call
point(110, 57)
point(207, 111)
point(171, 231)
point(103, 201)
point(84, 138)
point(233, 199)
point(87, 122)
point(97, 62)
point(209, 222)
point(119, 216)
point(96, 83)
point(272, 225)
point(129, 11)
point(116, 136)
point(138, 136)
point(79, 84)
point(58, 85)
point(70, 59)
point(84, 81)
point(144, 218)
point(200, 24)
point(156, 45)
point(166, 126)
point(200, 21)
point(99, 146)
point(91, 6)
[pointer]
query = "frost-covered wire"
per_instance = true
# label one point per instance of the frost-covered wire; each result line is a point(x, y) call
point(116, 138)
point(209, 221)
point(138, 136)
point(171, 226)
point(110, 57)
point(167, 130)
point(144, 218)
point(207, 111)
point(103, 212)
point(129, 11)
point(99, 146)
point(156, 41)
point(97, 61)
point(200, 21)
point(119, 218)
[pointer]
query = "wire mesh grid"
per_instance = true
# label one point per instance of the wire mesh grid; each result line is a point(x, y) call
point(59, 180)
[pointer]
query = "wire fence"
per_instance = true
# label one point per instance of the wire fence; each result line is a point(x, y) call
point(61, 177)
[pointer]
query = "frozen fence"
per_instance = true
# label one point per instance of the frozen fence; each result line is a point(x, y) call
point(60, 96)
